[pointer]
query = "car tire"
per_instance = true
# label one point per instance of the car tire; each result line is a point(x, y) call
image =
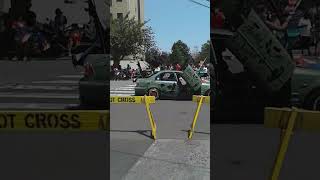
point(313, 101)
point(154, 92)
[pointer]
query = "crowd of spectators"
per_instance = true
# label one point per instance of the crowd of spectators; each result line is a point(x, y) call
point(296, 26)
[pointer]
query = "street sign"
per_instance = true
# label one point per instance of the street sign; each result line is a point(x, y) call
point(54, 120)
point(261, 53)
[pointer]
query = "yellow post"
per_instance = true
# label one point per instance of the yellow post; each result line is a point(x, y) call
point(195, 118)
point(284, 145)
point(151, 120)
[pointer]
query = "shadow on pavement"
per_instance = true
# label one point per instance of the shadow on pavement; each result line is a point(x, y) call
point(141, 132)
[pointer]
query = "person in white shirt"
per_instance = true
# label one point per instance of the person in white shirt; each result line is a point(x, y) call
point(305, 34)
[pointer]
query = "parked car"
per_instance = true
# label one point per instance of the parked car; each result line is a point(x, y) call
point(167, 84)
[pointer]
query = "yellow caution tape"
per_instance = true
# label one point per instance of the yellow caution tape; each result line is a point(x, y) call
point(132, 99)
point(196, 98)
point(54, 120)
point(278, 118)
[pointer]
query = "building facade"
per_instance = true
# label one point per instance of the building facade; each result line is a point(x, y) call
point(134, 8)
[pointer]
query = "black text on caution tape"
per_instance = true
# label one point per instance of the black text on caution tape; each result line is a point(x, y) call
point(40, 120)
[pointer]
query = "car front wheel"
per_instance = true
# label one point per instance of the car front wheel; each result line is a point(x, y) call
point(154, 92)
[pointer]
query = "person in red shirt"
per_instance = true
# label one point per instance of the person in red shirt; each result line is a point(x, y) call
point(178, 67)
point(218, 18)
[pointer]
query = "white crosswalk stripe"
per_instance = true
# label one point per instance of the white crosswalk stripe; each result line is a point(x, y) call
point(55, 93)
point(127, 90)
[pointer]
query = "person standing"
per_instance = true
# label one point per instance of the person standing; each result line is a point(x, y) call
point(60, 21)
point(305, 35)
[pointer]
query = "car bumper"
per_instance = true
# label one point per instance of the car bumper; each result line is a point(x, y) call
point(139, 91)
point(93, 93)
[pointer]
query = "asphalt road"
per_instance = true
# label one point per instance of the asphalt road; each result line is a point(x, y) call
point(52, 156)
point(130, 133)
point(249, 151)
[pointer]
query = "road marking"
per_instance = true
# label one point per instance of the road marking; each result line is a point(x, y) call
point(28, 87)
point(125, 88)
point(125, 92)
point(56, 82)
point(38, 96)
point(71, 76)
point(34, 105)
point(121, 94)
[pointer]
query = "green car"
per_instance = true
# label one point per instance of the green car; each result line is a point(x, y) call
point(167, 84)
point(306, 88)
point(93, 86)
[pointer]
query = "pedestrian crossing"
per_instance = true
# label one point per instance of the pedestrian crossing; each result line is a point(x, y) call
point(56, 93)
point(127, 90)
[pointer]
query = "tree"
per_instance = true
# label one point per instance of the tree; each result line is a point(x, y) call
point(129, 37)
point(180, 53)
point(204, 53)
point(153, 57)
point(165, 58)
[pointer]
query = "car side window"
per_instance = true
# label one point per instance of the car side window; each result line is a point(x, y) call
point(166, 76)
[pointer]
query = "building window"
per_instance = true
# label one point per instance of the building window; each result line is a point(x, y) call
point(119, 0)
point(111, 15)
point(120, 15)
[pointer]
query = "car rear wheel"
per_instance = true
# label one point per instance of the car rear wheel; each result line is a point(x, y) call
point(313, 102)
point(154, 92)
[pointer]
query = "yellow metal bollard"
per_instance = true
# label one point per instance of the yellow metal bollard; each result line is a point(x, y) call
point(151, 119)
point(190, 133)
point(284, 142)
point(147, 100)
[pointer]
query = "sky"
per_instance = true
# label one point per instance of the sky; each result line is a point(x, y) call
point(173, 20)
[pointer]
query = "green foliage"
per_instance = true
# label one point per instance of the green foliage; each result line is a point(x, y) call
point(129, 37)
point(204, 53)
point(180, 53)
point(153, 57)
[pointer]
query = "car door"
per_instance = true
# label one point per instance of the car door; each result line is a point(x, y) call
point(167, 83)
